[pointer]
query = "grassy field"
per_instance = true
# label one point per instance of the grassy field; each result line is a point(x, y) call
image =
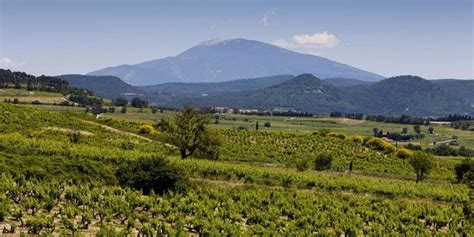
point(25, 96)
point(302, 125)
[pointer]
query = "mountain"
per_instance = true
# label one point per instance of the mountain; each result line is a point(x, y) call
point(344, 82)
point(103, 86)
point(393, 96)
point(224, 60)
point(199, 88)
point(462, 88)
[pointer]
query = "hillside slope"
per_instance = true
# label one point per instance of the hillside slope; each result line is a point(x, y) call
point(103, 86)
point(217, 61)
point(306, 93)
point(462, 88)
point(406, 95)
point(180, 88)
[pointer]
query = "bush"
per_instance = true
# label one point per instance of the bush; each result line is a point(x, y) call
point(303, 164)
point(4, 207)
point(146, 129)
point(152, 174)
point(323, 161)
point(413, 147)
point(210, 147)
point(322, 132)
point(356, 139)
point(120, 102)
point(267, 124)
point(404, 153)
point(463, 169)
point(337, 135)
point(75, 137)
point(443, 150)
point(380, 145)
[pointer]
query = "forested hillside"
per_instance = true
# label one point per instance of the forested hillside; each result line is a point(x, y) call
point(392, 96)
point(193, 89)
point(103, 86)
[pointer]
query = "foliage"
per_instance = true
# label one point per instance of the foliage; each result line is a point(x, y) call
point(380, 145)
point(464, 170)
point(139, 103)
point(323, 161)
point(151, 175)
point(188, 132)
point(422, 163)
point(404, 153)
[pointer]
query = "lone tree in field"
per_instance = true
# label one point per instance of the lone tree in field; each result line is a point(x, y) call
point(431, 130)
point(188, 132)
point(417, 129)
point(422, 163)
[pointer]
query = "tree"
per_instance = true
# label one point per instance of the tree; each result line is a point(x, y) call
point(376, 131)
point(139, 103)
point(256, 126)
point(267, 124)
point(323, 161)
point(120, 101)
point(17, 85)
point(422, 163)
point(405, 130)
point(148, 174)
point(463, 169)
point(431, 130)
point(417, 128)
point(123, 110)
point(188, 131)
point(30, 86)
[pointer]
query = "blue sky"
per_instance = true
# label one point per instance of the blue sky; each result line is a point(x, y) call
point(430, 38)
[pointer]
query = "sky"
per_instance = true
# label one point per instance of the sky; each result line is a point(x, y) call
point(428, 38)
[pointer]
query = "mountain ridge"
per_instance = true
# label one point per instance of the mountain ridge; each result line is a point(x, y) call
point(230, 59)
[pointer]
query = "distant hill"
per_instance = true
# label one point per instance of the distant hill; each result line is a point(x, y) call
point(303, 93)
point(224, 60)
point(462, 88)
point(306, 93)
point(103, 86)
point(190, 89)
point(406, 95)
point(344, 82)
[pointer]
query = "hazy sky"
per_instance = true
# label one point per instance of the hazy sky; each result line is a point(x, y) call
point(430, 38)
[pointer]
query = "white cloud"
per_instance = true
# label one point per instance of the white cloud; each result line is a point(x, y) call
point(265, 19)
point(309, 43)
point(9, 63)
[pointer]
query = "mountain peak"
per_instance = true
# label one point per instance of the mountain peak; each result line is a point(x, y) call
point(218, 60)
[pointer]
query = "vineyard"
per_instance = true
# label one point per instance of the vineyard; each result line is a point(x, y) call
point(58, 176)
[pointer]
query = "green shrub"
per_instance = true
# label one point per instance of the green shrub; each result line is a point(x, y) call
point(337, 135)
point(380, 145)
point(146, 129)
point(149, 174)
point(463, 169)
point(303, 164)
point(323, 161)
point(404, 153)
point(356, 139)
